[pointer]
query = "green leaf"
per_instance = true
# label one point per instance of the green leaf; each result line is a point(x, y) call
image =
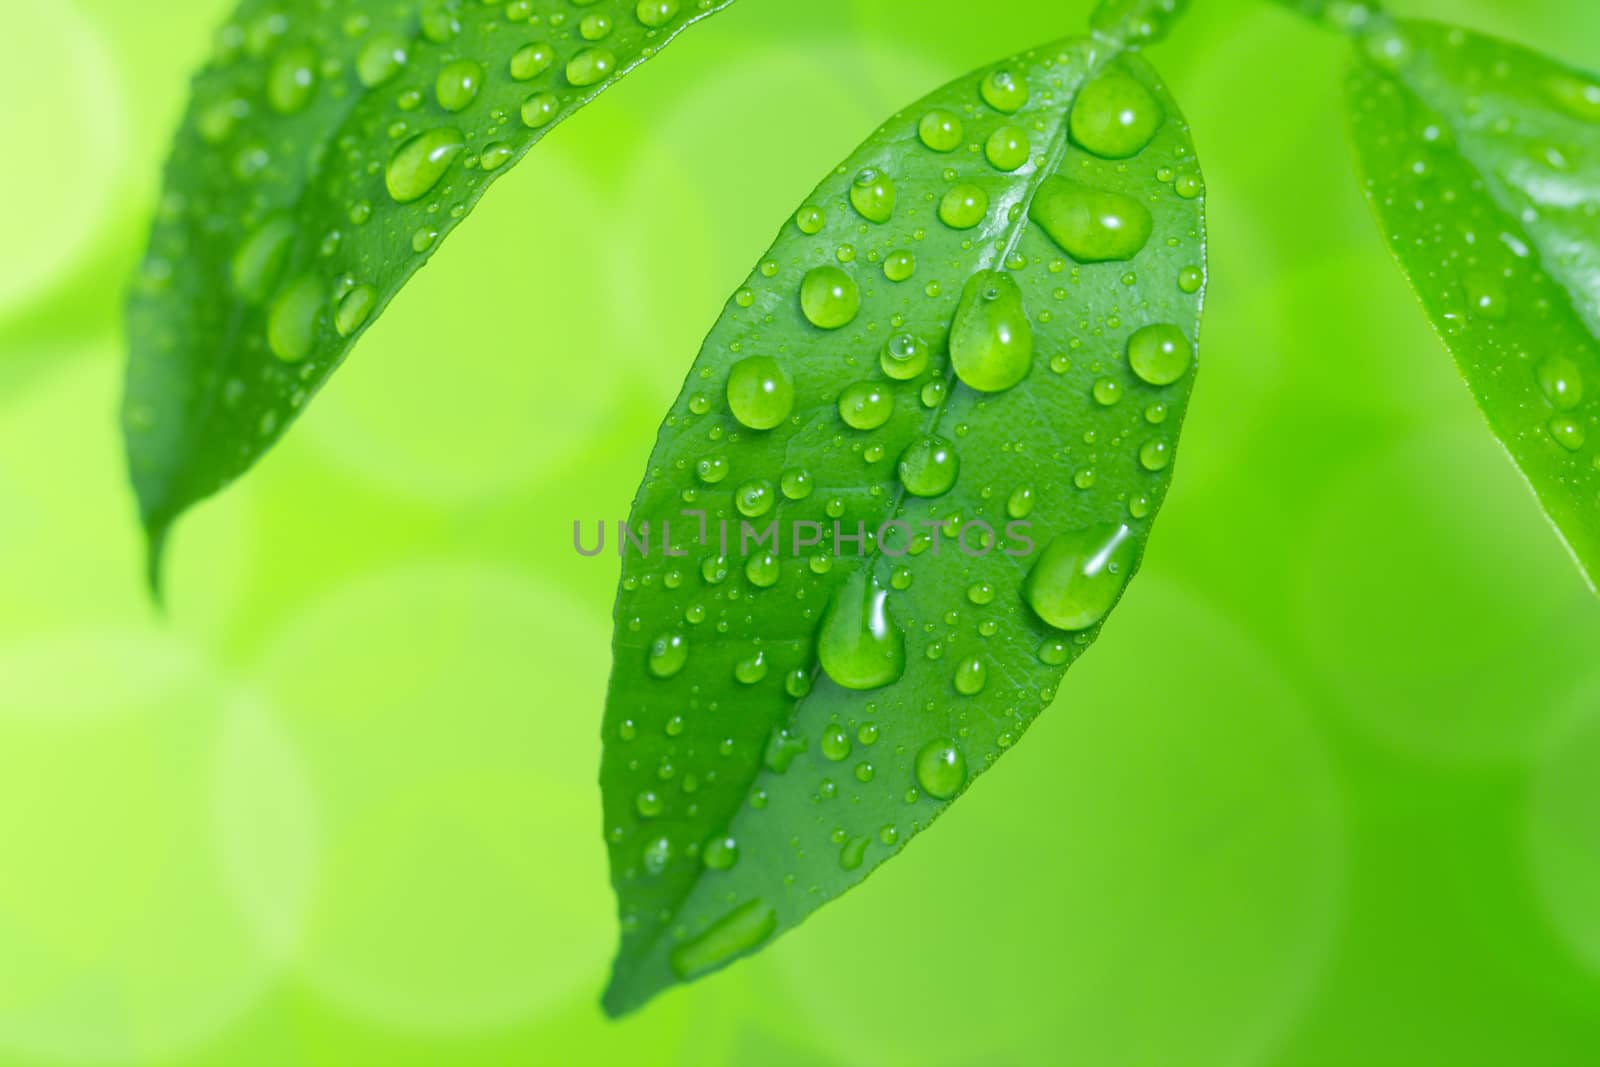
point(327, 150)
point(1482, 163)
point(975, 338)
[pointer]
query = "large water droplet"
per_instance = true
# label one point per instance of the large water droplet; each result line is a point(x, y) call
point(866, 406)
point(760, 392)
point(991, 340)
point(668, 654)
point(872, 195)
point(829, 297)
point(1005, 91)
point(296, 314)
point(458, 85)
point(590, 66)
point(740, 931)
point(355, 309)
point(963, 206)
point(940, 130)
point(531, 60)
point(905, 356)
point(1091, 225)
point(859, 644)
point(1007, 148)
point(941, 769)
point(260, 259)
point(1076, 580)
point(928, 467)
point(1115, 116)
point(292, 80)
point(418, 164)
point(1160, 355)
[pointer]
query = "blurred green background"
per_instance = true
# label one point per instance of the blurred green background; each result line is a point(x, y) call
point(339, 806)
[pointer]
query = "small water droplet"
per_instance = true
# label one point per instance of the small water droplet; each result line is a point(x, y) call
point(928, 467)
point(940, 130)
point(1004, 91)
point(941, 769)
point(866, 406)
point(760, 392)
point(963, 206)
point(668, 654)
point(872, 194)
point(458, 85)
point(829, 297)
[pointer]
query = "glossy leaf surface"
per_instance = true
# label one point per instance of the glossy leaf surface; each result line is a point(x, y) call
point(971, 349)
point(1482, 163)
point(327, 150)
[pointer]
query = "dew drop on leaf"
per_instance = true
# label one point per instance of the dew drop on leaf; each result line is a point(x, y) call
point(1160, 354)
point(991, 339)
point(1076, 580)
point(1091, 225)
point(941, 769)
point(421, 162)
point(760, 392)
point(1115, 117)
point(859, 644)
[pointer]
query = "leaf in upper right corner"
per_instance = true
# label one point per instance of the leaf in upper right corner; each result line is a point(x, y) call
point(1482, 162)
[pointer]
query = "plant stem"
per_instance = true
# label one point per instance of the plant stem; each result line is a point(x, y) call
point(1345, 16)
point(1131, 23)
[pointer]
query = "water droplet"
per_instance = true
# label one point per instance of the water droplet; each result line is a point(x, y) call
point(796, 484)
point(355, 309)
point(981, 593)
point(963, 207)
point(1020, 503)
point(260, 260)
point(1115, 116)
point(971, 676)
point(763, 571)
point(1077, 579)
point(859, 644)
point(668, 654)
point(657, 854)
point(292, 80)
point(590, 66)
point(904, 357)
point(419, 163)
point(1160, 354)
point(809, 220)
point(829, 297)
point(835, 743)
point(1190, 279)
point(1107, 391)
point(940, 130)
point(751, 670)
point(1004, 91)
point(720, 853)
point(1156, 455)
point(755, 498)
point(656, 13)
point(1007, 148)
point(1562, 382)
point(296, 314)
point(865, 406)
point(853, 853)
point(928, 467)
point(1091, 225)
point(941, 769)
point(531, 60)
point(738, 932)
point(648, 804)
point(991, 340)
point(381, 59)
point(595, 27)
point(760, 392)
point(872, 195)
point(1568, 433)
point(540, 110)
point(900, 265)
point(458, 84)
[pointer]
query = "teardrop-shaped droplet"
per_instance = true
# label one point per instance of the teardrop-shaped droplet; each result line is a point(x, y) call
point(260, 259)
point(872, 194)
point(1115, 116)
point(419, 163)
point(740, 931)
point(859, 644)
point(293, 322)
point(1091, 225)
point(355, 309)
point(991, 340)
point(292, 80)
point(590, 66)
point(458, 85)
point(1077, 579)
point(941, 769)
point(760, 392)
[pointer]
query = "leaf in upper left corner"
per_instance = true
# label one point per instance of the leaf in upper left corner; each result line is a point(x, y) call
point(1482, 162)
